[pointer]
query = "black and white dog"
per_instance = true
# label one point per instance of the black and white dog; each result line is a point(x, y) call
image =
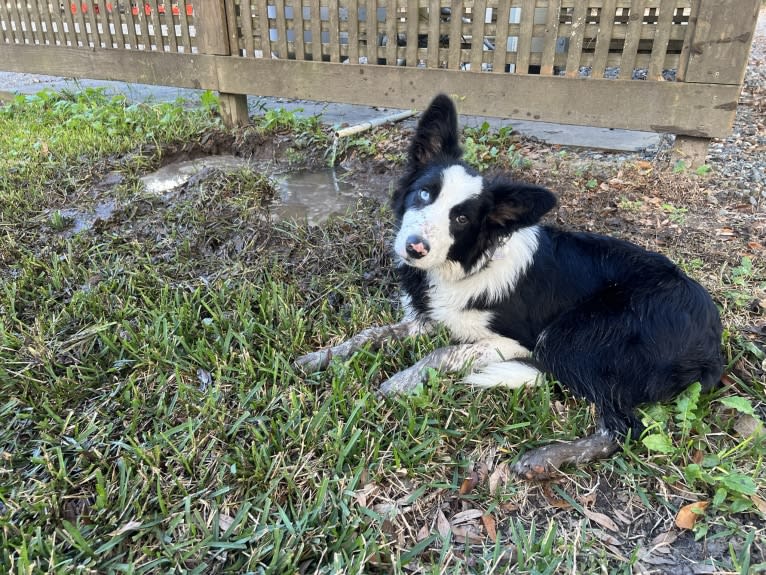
point(617, 325)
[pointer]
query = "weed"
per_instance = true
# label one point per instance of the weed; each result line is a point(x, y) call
point(675, 214)
point(630, 205)
point(484, 147)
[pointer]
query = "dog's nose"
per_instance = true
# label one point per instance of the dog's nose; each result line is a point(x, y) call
point(417, 247)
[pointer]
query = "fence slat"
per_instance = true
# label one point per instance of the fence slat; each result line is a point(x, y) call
point(262, 17)
point(316, 32)
point(683, 60)
point(94, 33)
point(477, 34)
point(45, 18)
point(6, 35)
point(20, 26)
point(454, 54)
point(632, 38)
point(60, 38)
point(434, 14)
point(103, 17)
point(576, 39)
point(551, 37)
point(391, 32)
point(604, 38)
point(119, 35)
point(524, 46)
point(661, 38)
point(501, 36)
point(334, 24)
point(413, 15)
point(183, 20)
point(281, 27)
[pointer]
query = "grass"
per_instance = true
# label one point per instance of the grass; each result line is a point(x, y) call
point(151, 422)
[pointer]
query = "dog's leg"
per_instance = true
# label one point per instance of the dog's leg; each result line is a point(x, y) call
point(375, 337)
point(457, 357)
point(544, 462)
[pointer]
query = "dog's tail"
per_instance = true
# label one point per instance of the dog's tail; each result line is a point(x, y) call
point(512, 374)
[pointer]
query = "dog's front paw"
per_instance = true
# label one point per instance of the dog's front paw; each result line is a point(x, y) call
point(403, 382)
point(314, 361)
point(536, 464)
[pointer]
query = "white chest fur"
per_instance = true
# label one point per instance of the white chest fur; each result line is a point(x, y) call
point(451, 290)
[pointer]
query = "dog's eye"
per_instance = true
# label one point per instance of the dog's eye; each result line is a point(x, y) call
point(424, 195)
point(462, 219)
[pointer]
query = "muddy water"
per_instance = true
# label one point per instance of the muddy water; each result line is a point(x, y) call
point(314, 196)
point(311, 196)
point(84, 220)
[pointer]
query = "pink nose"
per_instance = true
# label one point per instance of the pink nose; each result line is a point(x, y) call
point(417, 247)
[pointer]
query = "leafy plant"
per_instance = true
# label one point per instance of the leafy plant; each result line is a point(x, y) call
point(669, 432)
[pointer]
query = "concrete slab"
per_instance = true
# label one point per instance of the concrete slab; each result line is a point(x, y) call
point(336, 114)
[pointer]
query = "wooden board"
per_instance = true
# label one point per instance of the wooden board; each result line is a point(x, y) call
point(722, 38)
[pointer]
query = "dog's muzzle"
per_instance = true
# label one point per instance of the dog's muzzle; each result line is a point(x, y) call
point(416, 247)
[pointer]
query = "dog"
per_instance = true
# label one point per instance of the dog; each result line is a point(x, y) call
point(615, 324)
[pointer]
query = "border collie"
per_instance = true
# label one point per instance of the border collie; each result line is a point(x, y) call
point(614, 323)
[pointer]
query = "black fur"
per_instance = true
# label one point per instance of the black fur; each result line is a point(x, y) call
point(614, 323)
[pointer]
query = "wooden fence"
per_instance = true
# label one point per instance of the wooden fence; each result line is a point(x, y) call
point(662, 65)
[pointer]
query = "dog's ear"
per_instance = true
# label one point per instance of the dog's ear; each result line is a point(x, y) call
point(518, 205)
point(436, 135)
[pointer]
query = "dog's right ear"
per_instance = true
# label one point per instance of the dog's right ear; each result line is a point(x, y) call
point(436, 135)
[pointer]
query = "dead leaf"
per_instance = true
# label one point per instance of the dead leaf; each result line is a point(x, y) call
point(423, 533)
point(469, 483)
point(688, 514)
point(697, 456)
point(621, 517)
point(747, 425)
point(755, 246)
point(490, 526)
point(666, 538)
point(467, 515)
point(498, 477)
point(759, 503)
point(466, 534)
point(643, 165)
point(601, 519)
point(553, 500)
point(224, 522)
point(442, 525)
point(129, 526)
point(588, 500)
point(605, 537)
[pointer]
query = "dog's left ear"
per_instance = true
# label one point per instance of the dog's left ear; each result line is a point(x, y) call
point(437, 134)
point(518, 205)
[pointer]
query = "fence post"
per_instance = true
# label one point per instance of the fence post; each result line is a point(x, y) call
point(715, 52)
point(214, 38)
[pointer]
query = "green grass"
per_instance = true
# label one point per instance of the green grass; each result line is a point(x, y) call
point(151, 422)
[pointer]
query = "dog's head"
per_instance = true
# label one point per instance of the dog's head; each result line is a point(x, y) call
point(446, 211)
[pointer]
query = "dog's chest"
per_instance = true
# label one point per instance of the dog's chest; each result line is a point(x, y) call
point(449, 307)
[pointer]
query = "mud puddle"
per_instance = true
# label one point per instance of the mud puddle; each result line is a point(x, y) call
point(305, 195)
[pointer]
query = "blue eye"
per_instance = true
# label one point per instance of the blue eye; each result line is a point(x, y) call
point(424, 195)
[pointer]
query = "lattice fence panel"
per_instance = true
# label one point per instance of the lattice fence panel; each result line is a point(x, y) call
point(598, 38)
point(146, 25)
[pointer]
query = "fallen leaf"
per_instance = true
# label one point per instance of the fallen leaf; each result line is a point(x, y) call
point(224, 522)
point(129, 526)
point(442, 525)
point(423, 533)
point(759, 503)
point(498, 477)
point(554, 501)
point(688, 514)
point(605, 537)
point(747, 425)
point(467, 515)
point(469, 483)
point(755, 246)
point(490, 526)
point(601, 519)
point(643, 165)
point(666, 538)
point(589, 499)
point(697, 456)
point(466, 534)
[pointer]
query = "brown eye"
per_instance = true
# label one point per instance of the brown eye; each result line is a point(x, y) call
point(461, 220)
